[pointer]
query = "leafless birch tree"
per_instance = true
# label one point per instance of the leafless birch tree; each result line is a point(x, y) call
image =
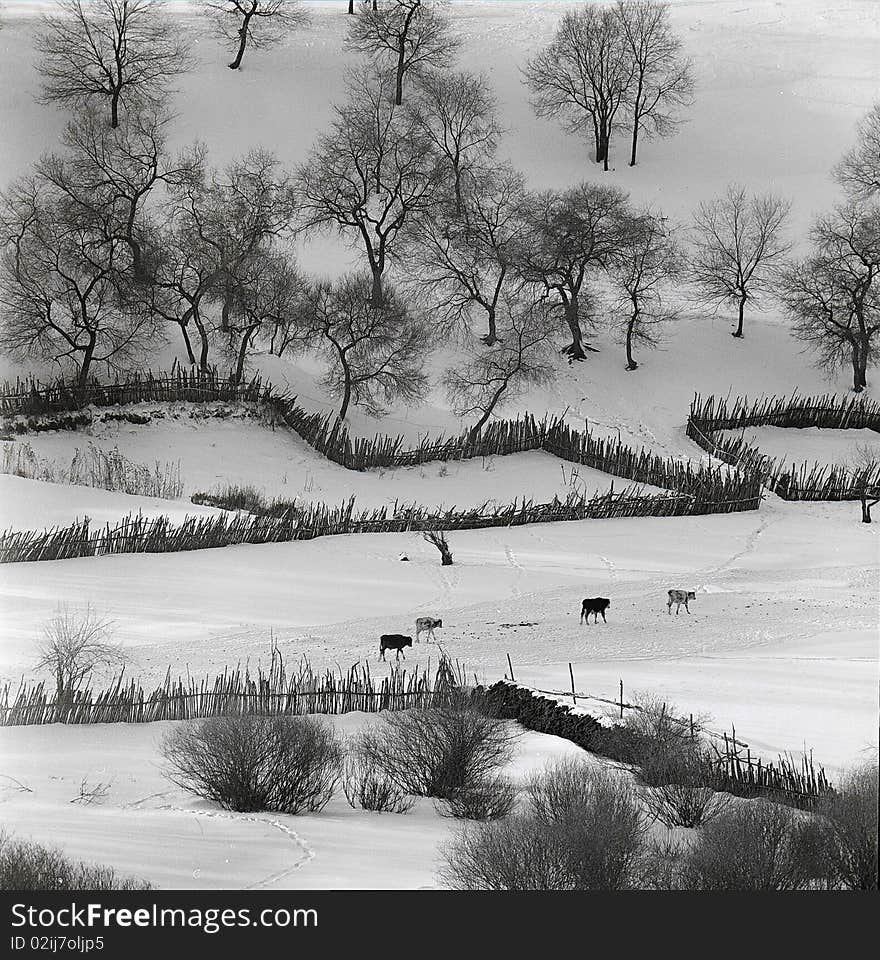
point(833, 295)
point(458, 114)
point(256, 23)
point(569, 237)
point(737, 247)
point(859, 171)
point(122, 51)
point(410, 34)
point(583, 77)
point(640, 275)
point(62, 285)
point(498, 375)
point(371, 174)
point(460, 266)
point(374, 355)
point(662, 82)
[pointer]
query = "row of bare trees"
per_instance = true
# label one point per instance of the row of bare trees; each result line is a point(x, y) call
point(112, 241)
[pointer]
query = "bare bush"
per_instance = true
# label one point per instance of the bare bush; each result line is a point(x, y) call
point(439, 752)
point(76, 642)
point(851, 814)
point(679, 796)
point(489, 799)
point(370, 788)
point(25, 865)
point(755, 845)
point(94, 467)
point(281, 763)
point(582, 831)
point(438, 539)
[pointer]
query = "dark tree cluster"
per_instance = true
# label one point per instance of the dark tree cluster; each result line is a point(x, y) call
point(607, 64)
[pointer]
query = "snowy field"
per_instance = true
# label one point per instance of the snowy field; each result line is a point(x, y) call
point(782, 640)
point(148, 828)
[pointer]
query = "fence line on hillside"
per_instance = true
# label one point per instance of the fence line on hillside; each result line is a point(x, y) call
point(237, 692)
point(139, 534)
point(329, 436)
point(802, 481)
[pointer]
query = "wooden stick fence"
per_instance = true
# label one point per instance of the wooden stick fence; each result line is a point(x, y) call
point(729, 764)
point(708, 416)
point(237, 692)
point(717, 491)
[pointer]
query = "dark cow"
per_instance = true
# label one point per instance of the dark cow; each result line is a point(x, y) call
point(393, 641)
point(594, 605)
point(679, 597)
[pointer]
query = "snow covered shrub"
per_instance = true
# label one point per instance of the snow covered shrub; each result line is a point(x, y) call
point(31, 866)
point(581, 830)
point(370, 787)
point(678, 795)
point(489, 799)
point(439, 752)
point(755, 845)
point(851, 818)
point(281, 763)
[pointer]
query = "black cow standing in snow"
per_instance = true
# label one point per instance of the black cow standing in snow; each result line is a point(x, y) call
point(393, 641)
point(594, 605)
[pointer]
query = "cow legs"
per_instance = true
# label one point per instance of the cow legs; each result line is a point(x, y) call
point(669, 608)
point(381, 654)
point(687, 607)
point(603, 617)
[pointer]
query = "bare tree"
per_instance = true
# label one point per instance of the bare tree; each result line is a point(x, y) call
point(737, 248)
point(109, 174)
point(437, 538)
point(412, 34)
point(63, 286)
point(499, 374)
point(569, 236)
point(372, 173)
point(583, 77)
point(375, 355)
point(662, 81)
point(833, 296)
point(458, 115)
point(124, 51)
point(866, 467)
point(461, 265)
point(260, 23)
point(74, 643)
point(270, 295)
point(859, 171)
point(640, 274)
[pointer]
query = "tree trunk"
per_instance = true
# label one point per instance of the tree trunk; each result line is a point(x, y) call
point(859, 367)
point(630, 363)
point(478, 426)
point(203, 336)
point(242, 35)
point(114, 109)
point(398, 90)
point(377, 295)
point(492, 332)
point(85, 366)
point(351, 6)
point(635, 141)
point(186, 340)
point(242, 351)
point(739, 327)
point(575, 350)
point(346, 395)
point(866, 509)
